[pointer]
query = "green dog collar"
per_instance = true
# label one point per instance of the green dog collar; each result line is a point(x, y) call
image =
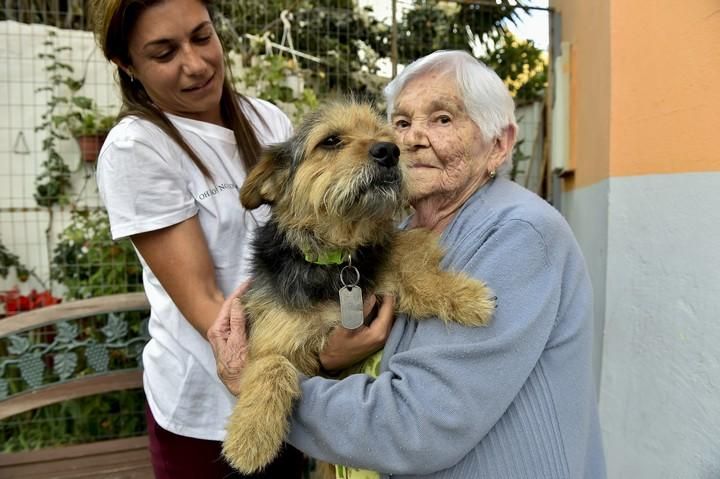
point(325, 258)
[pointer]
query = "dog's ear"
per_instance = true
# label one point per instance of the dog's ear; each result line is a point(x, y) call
point(267, 179)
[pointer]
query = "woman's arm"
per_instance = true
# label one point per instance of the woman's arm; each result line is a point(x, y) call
point(178, 255)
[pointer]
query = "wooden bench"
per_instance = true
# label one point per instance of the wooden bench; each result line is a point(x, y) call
point(119, 458)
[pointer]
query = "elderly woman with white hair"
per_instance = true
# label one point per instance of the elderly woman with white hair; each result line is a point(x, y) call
point(514, 399)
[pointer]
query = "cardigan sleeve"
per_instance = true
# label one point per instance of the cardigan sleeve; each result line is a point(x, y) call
point(441, 395)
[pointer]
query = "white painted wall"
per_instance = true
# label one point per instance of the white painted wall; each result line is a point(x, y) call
point(21, 107)
point(660, 386)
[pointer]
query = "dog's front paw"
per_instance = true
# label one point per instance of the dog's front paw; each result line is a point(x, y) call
point(259, 422)
point(471, 303)
point(246, 447)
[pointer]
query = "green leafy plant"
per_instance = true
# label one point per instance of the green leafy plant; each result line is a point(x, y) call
point(522, 66)
point(429, 26)
point(52, 186)
point(279, 80)
point(331, 30)
point(8, 261)
point(84, 118)
point(68, 114)
point(87, 124)
point(89, 263)
point(112, 415)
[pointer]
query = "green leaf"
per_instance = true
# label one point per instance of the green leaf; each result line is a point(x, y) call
point(83, 102)
point(66, 332)
point(115, 329)
point(18, 345)
point(74, 85)
point(65, 364)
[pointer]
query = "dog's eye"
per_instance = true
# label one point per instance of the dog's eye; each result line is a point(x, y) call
point(332, 141)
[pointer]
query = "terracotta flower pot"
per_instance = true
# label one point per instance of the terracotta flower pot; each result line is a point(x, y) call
point(90, 146)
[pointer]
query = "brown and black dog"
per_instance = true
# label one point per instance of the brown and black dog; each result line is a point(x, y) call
point(335, 189)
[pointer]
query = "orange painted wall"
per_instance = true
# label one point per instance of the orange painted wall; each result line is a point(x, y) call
point(665, 77)
point(585, 24)
point(644, 90)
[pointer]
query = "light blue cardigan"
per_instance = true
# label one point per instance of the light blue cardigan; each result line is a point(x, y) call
point(513, 400)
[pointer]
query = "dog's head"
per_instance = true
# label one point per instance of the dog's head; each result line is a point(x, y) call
point(340, 167)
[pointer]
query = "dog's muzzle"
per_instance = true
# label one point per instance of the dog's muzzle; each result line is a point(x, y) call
point(386, 168)
point(385, 154)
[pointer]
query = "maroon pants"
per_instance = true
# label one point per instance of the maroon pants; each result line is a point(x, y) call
point(180, 457)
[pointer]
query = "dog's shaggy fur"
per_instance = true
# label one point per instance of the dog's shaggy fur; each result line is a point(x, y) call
point(336, 185)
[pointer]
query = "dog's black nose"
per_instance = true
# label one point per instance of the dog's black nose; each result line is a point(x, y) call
point(385, 153)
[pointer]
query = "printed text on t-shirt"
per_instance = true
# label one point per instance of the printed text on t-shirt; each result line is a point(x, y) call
point(217, 189)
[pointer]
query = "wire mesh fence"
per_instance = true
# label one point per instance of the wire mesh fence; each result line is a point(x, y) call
point(56, 87)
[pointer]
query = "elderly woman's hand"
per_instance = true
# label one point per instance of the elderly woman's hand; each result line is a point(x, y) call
point(228, 340)
point(346, 347)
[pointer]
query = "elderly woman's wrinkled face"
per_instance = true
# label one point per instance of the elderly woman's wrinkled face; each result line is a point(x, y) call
point(441, 146)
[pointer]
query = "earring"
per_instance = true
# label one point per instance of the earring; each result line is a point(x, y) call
point(132, 77)
point(492, 174)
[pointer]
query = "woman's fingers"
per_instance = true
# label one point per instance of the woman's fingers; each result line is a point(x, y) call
point(237, 320)
point(385, 318)
point(227, 337)
point(240, 290)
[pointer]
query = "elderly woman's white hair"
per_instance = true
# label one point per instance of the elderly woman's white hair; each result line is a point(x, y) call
point(486, 98)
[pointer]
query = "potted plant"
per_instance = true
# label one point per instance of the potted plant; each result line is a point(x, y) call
point(280, 81)
point(87, 124)
point(68, 114)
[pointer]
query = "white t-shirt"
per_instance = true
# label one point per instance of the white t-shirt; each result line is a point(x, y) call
point(148, 182)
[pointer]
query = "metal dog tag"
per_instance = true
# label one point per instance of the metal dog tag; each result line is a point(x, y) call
point(351, 307)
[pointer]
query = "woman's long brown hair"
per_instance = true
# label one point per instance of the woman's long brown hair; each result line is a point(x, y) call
point(113, 22)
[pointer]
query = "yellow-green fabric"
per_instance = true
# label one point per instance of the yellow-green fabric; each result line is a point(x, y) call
point(371, 367)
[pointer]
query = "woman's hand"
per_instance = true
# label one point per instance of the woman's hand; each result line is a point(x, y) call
point(346, 347)
point(229, 341)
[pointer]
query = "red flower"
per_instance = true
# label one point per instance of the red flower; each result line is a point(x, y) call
point(44, 299)
point(16, 302)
